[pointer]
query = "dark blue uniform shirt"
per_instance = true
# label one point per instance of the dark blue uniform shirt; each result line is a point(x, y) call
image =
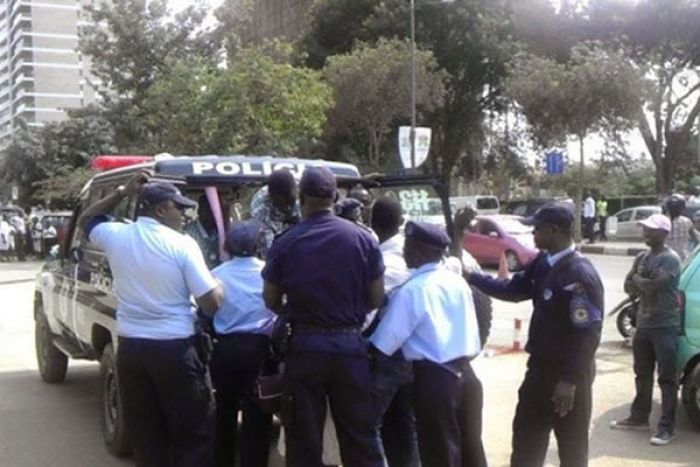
point(325, 265)
point(567, 312)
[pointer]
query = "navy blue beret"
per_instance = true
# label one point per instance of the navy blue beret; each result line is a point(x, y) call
point(431, 234)
point(318, 182)
point(552, 214)
point(154, 193)
point(243, 238)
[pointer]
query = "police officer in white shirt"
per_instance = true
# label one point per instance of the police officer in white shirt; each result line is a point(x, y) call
point(167, 399)
point(431, 318)
point(243, 326)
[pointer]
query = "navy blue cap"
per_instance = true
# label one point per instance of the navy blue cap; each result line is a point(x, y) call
point(348, 208)
point(318, 182)
point(431, 234)
point(554, 214)
point(243, 238)
point(154, 193)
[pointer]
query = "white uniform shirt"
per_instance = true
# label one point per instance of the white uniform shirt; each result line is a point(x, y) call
point(589, 207)
point(155, 271)
point(396, 271)
point(431, 317)
point(243, 309)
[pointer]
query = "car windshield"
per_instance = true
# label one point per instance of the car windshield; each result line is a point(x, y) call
point(419, 202)
point(486, 203)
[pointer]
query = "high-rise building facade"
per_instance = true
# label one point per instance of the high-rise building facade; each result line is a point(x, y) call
point(284, 19)
point(42, 73)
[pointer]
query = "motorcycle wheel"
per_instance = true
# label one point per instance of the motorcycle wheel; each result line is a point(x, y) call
point(626, 321)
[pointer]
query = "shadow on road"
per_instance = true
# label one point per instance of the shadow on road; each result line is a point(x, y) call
point(53, 425)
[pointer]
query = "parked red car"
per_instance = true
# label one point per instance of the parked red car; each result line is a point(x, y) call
point(491, 236)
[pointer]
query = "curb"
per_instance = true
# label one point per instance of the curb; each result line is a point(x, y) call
point(17, 281)
point(611, 250)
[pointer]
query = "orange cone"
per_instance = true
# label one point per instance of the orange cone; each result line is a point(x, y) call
point(503, 267)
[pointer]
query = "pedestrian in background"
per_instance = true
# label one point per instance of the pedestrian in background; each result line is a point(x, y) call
point(431, 319)
point(37, 230)
point(601, 208)
point(5, 239)
point(395, 422)
point(682, 237)
point(331, 273)
point(654, 278)
point(167, 398)
point(589, 217)
point(567, 296)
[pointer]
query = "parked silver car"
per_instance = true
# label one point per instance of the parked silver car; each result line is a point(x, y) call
point(623, 225)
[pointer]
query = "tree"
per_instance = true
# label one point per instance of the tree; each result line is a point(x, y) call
point(372, 90)
point(469, 40)
point(52, 163)
point(259, 104)
point(133, 43)
point(596, 89)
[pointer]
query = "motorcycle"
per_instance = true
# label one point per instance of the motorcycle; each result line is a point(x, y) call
point(626, 312)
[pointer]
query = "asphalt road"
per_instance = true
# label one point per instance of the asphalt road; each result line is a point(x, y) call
point(58, 425)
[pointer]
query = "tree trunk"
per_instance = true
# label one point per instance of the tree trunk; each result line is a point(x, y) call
point(579, 193)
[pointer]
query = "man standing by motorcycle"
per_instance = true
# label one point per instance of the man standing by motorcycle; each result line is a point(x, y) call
point(654, 278)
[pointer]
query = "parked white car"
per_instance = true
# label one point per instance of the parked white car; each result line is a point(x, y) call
point(624, 224)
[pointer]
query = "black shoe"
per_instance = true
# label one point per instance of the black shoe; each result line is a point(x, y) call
point(629, 424)
point(662, 438)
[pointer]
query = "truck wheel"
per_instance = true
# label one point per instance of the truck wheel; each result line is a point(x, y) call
point(114, 430)
point(53, 364)
point(691, 395)
point(512, 261)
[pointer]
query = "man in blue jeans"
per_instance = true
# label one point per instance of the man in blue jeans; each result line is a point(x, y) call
point(654, 277)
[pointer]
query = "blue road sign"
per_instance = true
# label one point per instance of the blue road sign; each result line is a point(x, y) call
point(555, 162)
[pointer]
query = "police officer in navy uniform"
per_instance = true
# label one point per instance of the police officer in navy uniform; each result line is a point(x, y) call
point(565, 329)
point(432, 320)
point(167, 399)
point(331, 274)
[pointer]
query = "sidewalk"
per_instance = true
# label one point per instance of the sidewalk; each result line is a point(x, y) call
point(613, 248)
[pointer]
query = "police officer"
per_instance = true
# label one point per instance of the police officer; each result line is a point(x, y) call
point(242, 326)
point(431, 319)
point(167, 400)
point(565, 328)
point(331, 273)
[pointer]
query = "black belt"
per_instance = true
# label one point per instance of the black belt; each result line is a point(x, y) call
point(456, 366)
point(313, 329)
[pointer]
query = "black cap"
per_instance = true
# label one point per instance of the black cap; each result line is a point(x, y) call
point(243, 238)
point(318, 182)
point(554, 214)
point(154, 193)
point(348, 208)
point(431, 234)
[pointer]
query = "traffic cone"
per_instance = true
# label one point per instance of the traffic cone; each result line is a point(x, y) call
point(503, 272)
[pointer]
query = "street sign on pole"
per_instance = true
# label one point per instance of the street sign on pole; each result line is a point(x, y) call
point(421, 145)
point(554, 162)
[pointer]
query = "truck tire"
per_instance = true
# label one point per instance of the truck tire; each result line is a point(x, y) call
point(114, 430)
point(53, 364)
point(690, 395)
point(484, 314)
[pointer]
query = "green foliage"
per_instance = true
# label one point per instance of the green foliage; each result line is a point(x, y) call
point(260, 104)
point(51, 164)
point(373, 91)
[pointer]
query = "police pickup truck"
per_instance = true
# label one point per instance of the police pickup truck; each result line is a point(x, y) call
point(74, 304)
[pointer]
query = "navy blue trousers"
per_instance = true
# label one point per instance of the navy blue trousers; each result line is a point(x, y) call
point(448, 414)
point(235, 366)
point(168, 402)
point(311, 379)
point(535, 418)
point(395, 421)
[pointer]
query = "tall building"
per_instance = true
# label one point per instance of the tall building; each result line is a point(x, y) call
point(284, 19)
point(42, 74)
